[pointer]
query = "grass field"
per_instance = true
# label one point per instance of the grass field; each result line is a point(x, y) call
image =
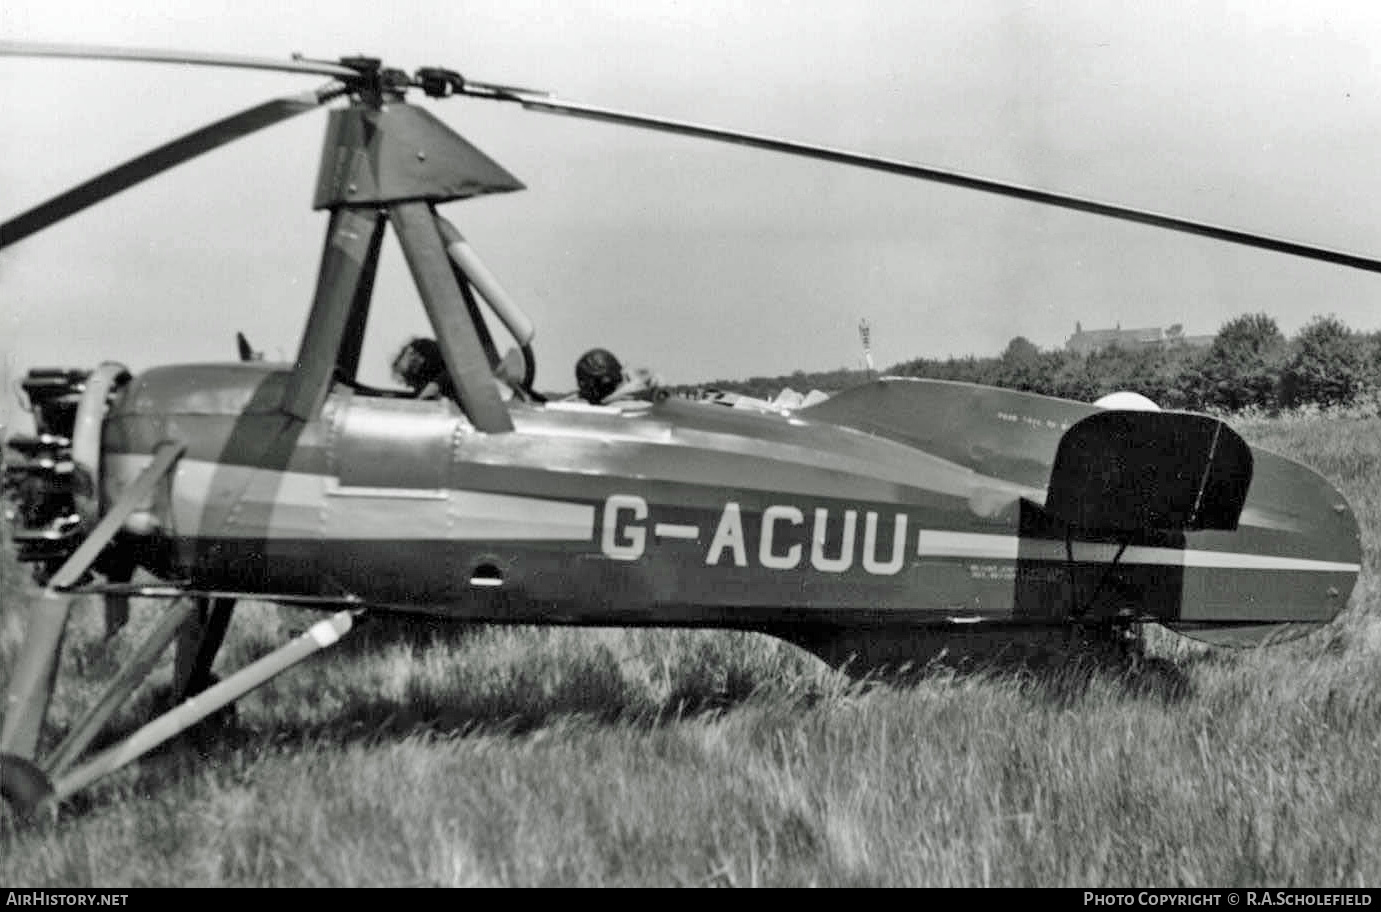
point(519, 756)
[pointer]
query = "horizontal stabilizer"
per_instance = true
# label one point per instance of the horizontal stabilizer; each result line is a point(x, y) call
point(1123, 471)
point(1245, 636)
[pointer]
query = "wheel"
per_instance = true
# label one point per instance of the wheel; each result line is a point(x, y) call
point(23, 786)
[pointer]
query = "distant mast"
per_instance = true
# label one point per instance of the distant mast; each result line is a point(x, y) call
point(865, 333)
point(5, 360)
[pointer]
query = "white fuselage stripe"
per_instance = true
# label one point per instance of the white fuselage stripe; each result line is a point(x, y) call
point(981, 546)
point(274, 504)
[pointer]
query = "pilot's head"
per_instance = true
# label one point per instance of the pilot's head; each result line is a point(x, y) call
point(597, 374)
point(418, 363)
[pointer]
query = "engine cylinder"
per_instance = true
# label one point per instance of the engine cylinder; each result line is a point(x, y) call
point(49, 495)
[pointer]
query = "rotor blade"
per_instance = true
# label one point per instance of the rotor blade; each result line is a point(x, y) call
point(909, 169)
point(166, 156)
point(153, 55)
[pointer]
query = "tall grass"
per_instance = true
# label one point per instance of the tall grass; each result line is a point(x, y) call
point(518, 756)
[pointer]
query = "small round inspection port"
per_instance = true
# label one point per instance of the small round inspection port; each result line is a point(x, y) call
point(486, 576)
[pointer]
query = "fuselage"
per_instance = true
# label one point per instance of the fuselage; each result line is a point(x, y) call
point(687, 513)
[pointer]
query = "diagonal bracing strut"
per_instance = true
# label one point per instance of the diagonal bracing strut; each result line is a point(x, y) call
point(31, 683)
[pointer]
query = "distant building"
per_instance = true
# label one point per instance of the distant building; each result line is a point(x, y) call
point(1088, 341)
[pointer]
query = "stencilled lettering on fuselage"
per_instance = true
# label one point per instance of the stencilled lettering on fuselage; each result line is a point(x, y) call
point(781, 537)
point(1032, 421)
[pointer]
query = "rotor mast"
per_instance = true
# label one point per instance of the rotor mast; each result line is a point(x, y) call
point(384, 161)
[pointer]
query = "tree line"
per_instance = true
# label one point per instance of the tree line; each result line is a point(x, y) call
point(1249, 364)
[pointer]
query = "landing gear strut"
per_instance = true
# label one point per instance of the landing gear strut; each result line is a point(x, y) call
point(31, 785)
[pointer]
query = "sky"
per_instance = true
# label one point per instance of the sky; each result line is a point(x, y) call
point(701, 260)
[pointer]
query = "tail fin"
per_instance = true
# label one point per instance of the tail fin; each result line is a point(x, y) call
point(1127, 472)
